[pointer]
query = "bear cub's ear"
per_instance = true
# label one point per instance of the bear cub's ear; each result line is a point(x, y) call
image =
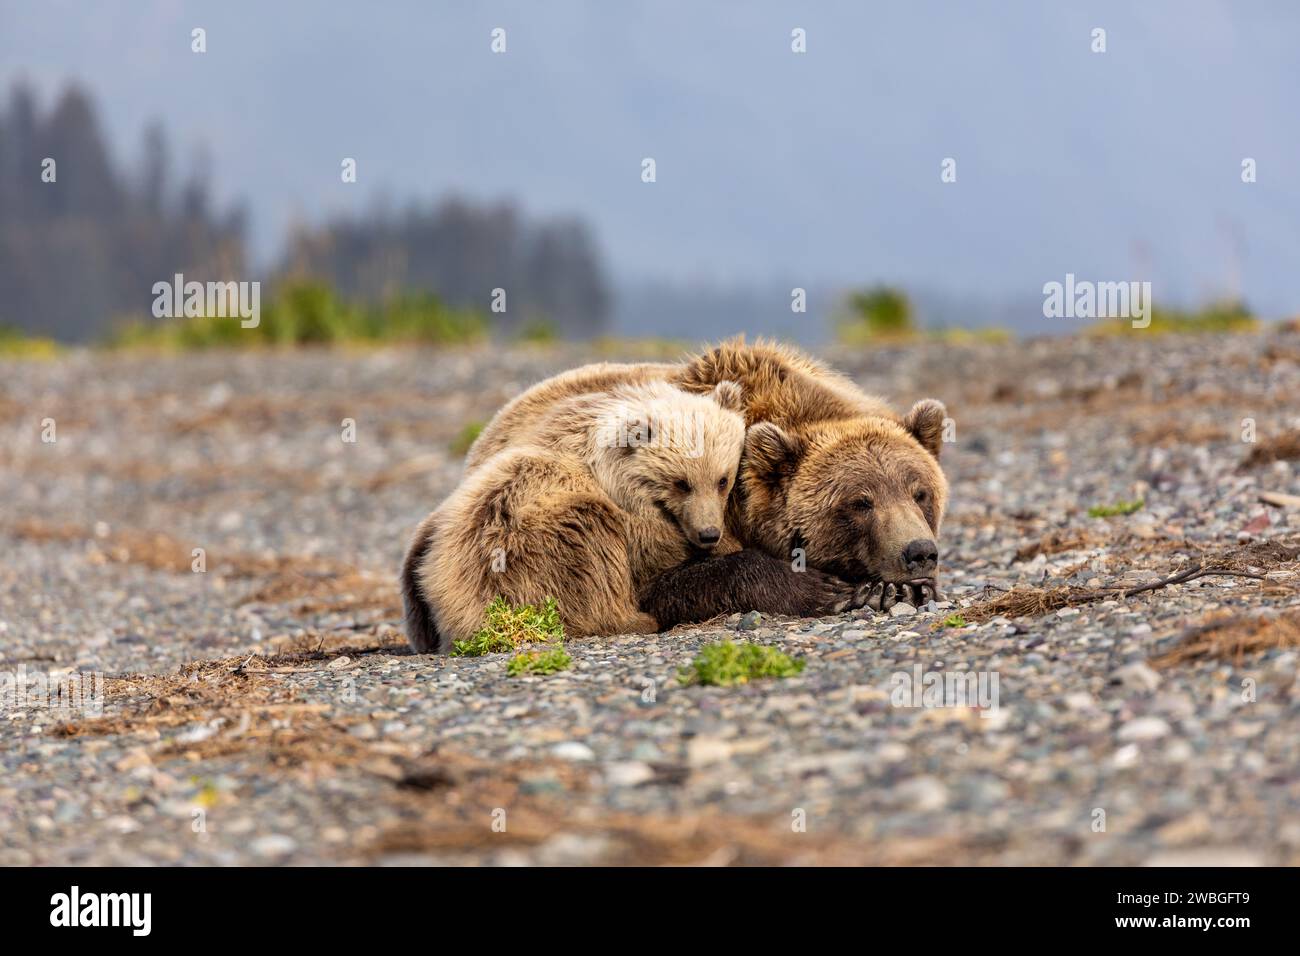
point(729, 395)
point(771, 453)
point(925, 422)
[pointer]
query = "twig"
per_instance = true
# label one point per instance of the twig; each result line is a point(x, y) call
point(1182, 577)
point(1279, 499)
point(1188, 574)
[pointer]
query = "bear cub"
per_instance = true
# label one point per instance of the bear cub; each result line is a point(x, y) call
point(592, 501)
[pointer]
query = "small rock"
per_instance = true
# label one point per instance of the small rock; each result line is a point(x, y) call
point(1185, 829)
point(1126, 756)
point(339, 664)
point(647, 752)
point(1138, 676)
point(1143, 728)
point(135, 758)
point(750, 621)
point(274, 844)
point(892, 752)
point(902, 609)
point(922, 793)
point(1179, 751)
point(574, 849)
point(703, 751)
point(364, 731)
point(627, 773)
point(573, 750)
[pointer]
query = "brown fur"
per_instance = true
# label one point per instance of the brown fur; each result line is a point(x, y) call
point(566, 512)
point(518, 418)
point(819, 451)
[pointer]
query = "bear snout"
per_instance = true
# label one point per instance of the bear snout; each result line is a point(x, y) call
point(708, 537)
point(921, 557)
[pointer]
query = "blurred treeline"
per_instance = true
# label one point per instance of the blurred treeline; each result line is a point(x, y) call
point(79, 255)
point(75, 251)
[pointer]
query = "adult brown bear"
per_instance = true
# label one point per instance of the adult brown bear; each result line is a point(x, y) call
point(835, 488)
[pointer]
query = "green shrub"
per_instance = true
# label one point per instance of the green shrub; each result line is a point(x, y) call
point(1222, 316)
point(1119, 508)
point(878, 314)
point(309, 313)
point(620, 347)
point(541, 662)
point(460, 445)
point(726, 663)
point(538, 332)
point(424, 318)
point(15, 343)
point(507, 628)
point(987, 335)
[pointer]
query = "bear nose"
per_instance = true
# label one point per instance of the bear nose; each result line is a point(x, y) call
point(710, 536)
point(921, 557)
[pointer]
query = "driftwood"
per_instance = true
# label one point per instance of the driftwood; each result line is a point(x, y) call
point(1279, 499)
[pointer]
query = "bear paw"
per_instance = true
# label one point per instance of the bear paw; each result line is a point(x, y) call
point(882, 595)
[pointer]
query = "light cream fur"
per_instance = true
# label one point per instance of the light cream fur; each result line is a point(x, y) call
point(592, 496)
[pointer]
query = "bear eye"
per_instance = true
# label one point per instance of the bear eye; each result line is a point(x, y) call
point(921, 497)
point(683, 486)
point(722, 483)
point(865, 504)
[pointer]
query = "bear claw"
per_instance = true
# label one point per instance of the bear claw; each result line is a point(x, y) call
point(923, 591)
point(882, 595)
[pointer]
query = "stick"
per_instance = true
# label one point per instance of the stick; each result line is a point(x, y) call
point(1279, 499)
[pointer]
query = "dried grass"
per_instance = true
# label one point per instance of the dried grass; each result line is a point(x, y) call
point(1168, 434)
point(322, 585)
point(1232, 637)
point(1254, 560)
point(454, 821)
point(1061, 540)
point(253, 711)
point(1281, 447)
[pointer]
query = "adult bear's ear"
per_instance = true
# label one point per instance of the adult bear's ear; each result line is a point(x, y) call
point(771, 453)
point(925, 422)
point(729, 395)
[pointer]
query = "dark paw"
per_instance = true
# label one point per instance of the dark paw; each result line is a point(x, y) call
point(839, 596)
point(882, 595)
point(836, 596)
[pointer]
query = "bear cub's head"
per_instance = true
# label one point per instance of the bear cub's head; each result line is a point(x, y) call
point(863, 497)
point(668, 452)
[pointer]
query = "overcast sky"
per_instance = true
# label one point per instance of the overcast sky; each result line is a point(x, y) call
point(822, 167)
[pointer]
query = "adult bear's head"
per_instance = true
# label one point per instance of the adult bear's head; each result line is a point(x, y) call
point(863, 497)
